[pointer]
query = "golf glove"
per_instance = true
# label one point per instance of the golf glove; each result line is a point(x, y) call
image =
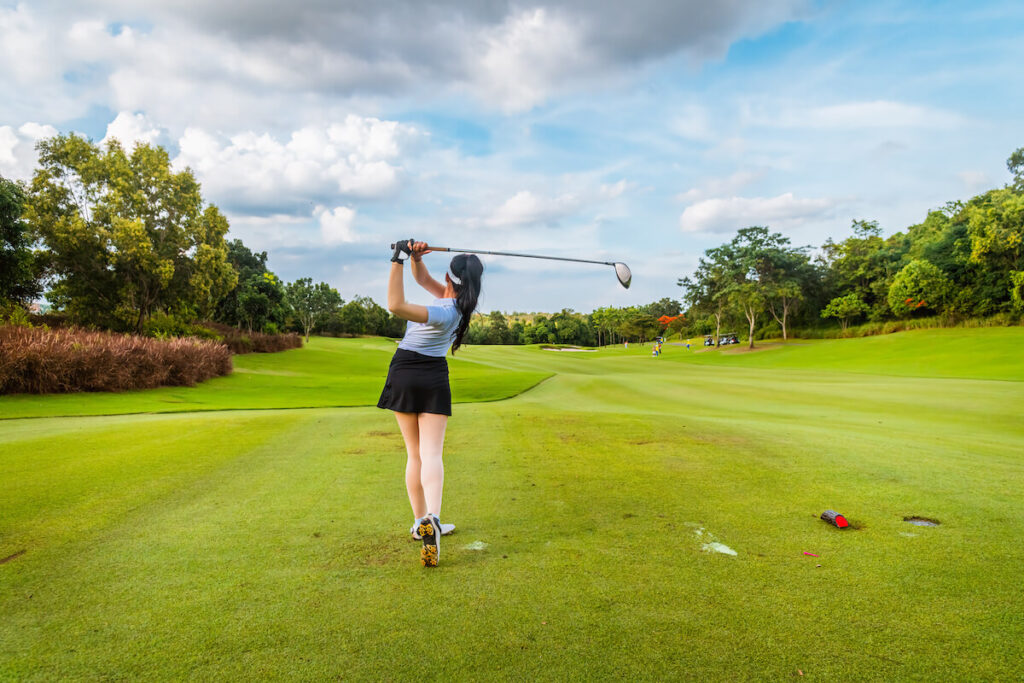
point(403, 250)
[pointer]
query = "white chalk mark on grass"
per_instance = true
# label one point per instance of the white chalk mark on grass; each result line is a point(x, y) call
point(475, 545)
point(713, 545)
point(716, 547)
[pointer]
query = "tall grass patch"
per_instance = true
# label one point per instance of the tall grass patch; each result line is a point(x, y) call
point(36, 360)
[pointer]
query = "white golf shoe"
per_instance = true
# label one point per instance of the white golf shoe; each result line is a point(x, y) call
point(445, 530)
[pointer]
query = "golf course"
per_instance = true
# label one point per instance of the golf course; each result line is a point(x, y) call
point(617, 516)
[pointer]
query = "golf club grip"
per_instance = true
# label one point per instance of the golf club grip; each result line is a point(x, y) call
point(431, 248)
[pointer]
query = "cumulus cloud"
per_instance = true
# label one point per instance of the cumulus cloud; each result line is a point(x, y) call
point(17, 149)
point(131, 129)
point(336, 225)
point(726, 215)
point(526, 56)
point(509, 55)
point(528, 208)
point(357, 157)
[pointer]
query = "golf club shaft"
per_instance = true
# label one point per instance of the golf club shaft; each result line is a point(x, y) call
point(509, 253)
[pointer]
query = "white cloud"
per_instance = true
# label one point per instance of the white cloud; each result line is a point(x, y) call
point(527, 56)
point(25, 46)
point(131, 129)
point(527, 208)
point(726, 215)
point(356, 157)
point(614, 190)
point(17, 149)
point(854, 115)
point(336, 226)
point(715, 187)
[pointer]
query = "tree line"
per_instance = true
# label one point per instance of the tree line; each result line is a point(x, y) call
point(119, 241)
point(603, 326)
point(965, 260)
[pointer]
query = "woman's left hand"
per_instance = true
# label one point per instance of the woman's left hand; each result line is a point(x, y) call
point(419, 249)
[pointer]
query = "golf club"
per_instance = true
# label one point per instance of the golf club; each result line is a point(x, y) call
point(621, 269)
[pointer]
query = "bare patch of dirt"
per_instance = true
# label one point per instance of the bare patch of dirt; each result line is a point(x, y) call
point(380, 433)
point(13, 557)
point(922, 521)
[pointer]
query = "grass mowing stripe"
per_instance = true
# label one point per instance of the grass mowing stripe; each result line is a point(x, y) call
point(325, 373)
point(585, 496)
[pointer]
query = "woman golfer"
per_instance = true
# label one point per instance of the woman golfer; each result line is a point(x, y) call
point(417, 385)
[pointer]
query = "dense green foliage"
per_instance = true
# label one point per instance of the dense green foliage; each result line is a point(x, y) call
point(963, 261)
point(607, 325)
point(20, 267)
point(310, 303)
point(274, 543)
point(126, 236)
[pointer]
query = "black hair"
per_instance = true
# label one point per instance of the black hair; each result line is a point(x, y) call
point(469, 269)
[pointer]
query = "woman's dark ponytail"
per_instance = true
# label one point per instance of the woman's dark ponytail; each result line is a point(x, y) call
point(469, 269)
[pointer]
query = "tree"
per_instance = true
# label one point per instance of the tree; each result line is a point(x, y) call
point(19, 267)
point(1015, 164)
point(497, 329)
point(863, 264)
point(246, 263)
point(261, 302)
point(748, 261)
point(844, 308)
point(1017, 291)
point(995, 225)
point(748, 298)
point(919, 285)
point(706, 291)
point(785, 273)
point(310, 302)
point(664, 306)
point(127, 236)
point(353, 317)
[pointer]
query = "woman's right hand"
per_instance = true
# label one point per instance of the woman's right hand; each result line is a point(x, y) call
point(419, 249)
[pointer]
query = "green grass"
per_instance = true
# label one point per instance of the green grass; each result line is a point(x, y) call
point(273, 543)
point(993, 353)
point(326, 373)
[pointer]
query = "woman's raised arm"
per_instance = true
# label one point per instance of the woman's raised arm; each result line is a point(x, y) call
point(396, 297)
point(419, 271)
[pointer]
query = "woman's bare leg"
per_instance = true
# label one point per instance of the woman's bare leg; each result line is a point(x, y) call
point(431, 438)
point(409, 425)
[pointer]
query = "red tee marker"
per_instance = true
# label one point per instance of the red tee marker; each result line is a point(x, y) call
point(835, 519)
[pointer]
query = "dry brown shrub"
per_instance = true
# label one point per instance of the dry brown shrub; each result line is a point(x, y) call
point(37, 360)
point(241, 341)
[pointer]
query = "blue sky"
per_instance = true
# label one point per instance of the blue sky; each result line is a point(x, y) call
point(646, 133)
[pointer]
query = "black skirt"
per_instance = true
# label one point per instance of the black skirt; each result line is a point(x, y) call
point(417, 384)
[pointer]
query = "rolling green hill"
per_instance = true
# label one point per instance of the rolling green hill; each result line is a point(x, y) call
point(629, 517)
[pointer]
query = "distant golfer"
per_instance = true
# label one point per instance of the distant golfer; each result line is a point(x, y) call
point(417, 385)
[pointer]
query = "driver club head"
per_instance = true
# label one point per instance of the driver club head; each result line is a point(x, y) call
point(622, 272)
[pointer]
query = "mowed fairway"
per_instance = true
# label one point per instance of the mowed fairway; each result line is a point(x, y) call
point(273, 543)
